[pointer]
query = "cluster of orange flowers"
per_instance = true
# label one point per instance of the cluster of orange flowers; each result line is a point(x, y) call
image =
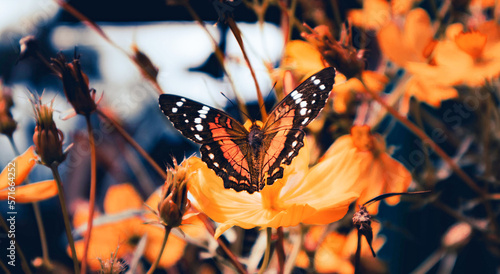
point(314, 191)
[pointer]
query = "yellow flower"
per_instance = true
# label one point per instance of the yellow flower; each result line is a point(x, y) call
point(16, 172)
point(378, 172)
point(127, 232)
point(319, 195)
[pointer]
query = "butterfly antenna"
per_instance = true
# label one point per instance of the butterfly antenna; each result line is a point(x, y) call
point(268, 96)
point(242, 112)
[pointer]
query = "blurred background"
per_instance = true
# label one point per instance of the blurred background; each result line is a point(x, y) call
point(183, 54)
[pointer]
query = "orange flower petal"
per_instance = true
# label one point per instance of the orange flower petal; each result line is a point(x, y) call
point(174, 248)
point(18, 169)
point(322, 196)
point(302, 58)
point(471, 42)
point(81, 214)
point(32, 193)
point(105, 239)
point(122, 197)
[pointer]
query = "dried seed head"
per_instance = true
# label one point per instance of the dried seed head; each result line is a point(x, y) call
point(7, 123)
point(75, 84)
point(341, 55)
point(148, 69)
point(362, 221)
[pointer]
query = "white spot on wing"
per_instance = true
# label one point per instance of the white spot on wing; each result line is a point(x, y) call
point(296, 95)
point(298, 100)
point(313, 77)
point(197, 120)
point(313, 101)
point(317, 81)
point(303, 111)
point(216, 164)
point(294, 144)
point(303, 104)
point(174, 110)
point(198, 137)
point(202, 111)
point(179, 104)
point(290, 153)
point(203, 116)
point(211, 156)
point(199, 127)
point(187, 121)
point(205, 108)
point(183, 99)
point(322, 87)
point(305, 120)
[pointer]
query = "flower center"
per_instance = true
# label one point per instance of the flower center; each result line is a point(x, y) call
point(270, 196)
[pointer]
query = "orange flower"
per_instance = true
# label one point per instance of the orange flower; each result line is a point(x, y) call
point(463, 58)
point(16, 172)
point(375, 13)
point(408, 44)
point(333, 255)
point(127, 231)
point(344, 92)
point(302, 60)
point(378, 172)
point(319, 195)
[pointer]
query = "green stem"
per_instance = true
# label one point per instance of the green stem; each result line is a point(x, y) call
point(93, 178)
point(62, 200)
point(267, 253)
point(164, 243)
point(38, 215)
point(24, 263)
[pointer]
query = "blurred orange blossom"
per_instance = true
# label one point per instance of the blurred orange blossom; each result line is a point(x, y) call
point(379, 173)
point(127, 232)
point(17, 171)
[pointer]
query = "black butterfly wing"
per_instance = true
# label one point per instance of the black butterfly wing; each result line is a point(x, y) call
point(283, 128)
point(224, 140)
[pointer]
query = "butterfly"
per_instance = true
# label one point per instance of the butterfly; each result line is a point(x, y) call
point(248, 159)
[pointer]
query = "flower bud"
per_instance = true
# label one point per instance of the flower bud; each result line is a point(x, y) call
point(7, 123)
point(174, 203)
point(344, 57)
point(75, 84)
point(47, 138)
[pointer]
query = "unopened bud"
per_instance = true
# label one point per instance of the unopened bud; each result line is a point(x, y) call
point(48, 139)
point(174, 202)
